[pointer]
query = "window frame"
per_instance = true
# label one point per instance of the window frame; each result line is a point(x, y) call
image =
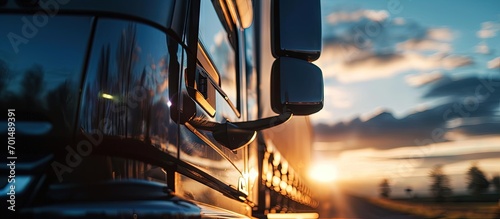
point(205, 61)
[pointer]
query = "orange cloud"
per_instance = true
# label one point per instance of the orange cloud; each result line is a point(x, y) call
point(482, 48)
point(494, 63)
point(441, 34)
point(386, 65)
point(345, 16)
point(489, 29)
point(418, 80)
point(424, 45)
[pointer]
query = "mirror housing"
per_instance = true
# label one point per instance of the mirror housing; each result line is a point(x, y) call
point(296, 86)
point(296, 29)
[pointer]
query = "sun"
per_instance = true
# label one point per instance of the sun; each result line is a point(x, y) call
point(324, 172)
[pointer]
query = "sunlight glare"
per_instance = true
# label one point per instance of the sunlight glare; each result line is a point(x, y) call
point(324, 172)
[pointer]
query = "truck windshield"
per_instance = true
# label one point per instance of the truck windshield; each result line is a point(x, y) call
point(41, 64)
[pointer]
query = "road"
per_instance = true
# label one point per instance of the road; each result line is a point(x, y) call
point(341, 205)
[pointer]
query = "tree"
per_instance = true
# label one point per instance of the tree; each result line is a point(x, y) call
point(496, 183)
point(440, 187)
point(408, 191)
point(385, 189)
point(477, 182)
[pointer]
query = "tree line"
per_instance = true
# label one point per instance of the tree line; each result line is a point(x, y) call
point(440, 188)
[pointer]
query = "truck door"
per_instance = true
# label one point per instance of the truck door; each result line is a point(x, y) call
point(214, 85)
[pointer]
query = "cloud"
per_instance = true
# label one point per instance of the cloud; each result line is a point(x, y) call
point(430, 161)
point(369, 30)
point(440, 34)
point(487, 128)
point(358, 49)
point(482, 48)
point(353, 16)
point(458, 157)
point(418, 80)
point(488, 30)
point(399, 21)
point(424, 45)
point(473, 87)
point(376, 66)
point(219, 38)
point(486, 34)
point(338, 97)
point(336, 50)
point(494, 63)
point(384, 131)
point(434, 39)
point(335, 98)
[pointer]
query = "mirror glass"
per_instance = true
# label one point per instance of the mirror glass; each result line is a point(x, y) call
point(296, 86)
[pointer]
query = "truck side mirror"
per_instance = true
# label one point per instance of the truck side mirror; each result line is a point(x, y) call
point(296, 29)
point(296, 86)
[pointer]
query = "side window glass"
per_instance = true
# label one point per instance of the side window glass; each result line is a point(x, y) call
point(40, 77)
point(126, 91)
point(127, 82)
point(214, 38)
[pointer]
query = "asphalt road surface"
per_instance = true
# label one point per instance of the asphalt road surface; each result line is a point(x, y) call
point(341, 205)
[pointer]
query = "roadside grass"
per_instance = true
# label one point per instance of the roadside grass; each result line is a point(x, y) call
point(448, 210)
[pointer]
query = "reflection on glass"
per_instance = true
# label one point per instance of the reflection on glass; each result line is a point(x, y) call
point(126, 89)
point(251, 75)
point(40, 75)
point(214, 38)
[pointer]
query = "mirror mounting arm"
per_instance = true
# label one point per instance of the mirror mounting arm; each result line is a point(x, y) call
point(255, 125)
point(234, 135)
point(266, 123)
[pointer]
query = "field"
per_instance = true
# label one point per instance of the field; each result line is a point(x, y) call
point(449, 210)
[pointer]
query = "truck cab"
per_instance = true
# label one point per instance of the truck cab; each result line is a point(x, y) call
point(158, 108)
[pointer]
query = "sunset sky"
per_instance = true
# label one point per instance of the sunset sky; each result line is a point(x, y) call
point(408, 85)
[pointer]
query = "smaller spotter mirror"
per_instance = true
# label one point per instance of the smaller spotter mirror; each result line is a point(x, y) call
point(297, 87)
